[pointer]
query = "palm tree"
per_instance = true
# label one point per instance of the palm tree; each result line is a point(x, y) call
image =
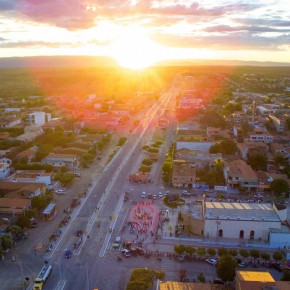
point(219, 164)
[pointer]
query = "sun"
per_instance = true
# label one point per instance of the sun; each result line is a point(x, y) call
point(133, 49)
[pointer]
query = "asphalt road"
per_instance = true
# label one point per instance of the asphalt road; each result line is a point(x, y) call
point(93, 265)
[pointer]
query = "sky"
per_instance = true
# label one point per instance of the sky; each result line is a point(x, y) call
point(145, 31)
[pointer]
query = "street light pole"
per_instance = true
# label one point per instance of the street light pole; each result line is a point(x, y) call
point(217, 228)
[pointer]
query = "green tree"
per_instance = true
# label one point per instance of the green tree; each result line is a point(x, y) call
point(288, 123)
point(14, 230)
point(23, 221)
point(211, 252)
point(279, 186)
point(277, 256)
point(144, 168)
point(179, 249)
point(219, 164)
point(41, 201)
point(1, 251)
point(167, 171)
point(222, 252)
point(280, 159)
point(147, 162)
point(201, 278)
point(30, 213)
point(226, 267)
point(212, 118)
point(265, 256)
point(6, 241)
point(254, 253)
point(86, 159)
point(182, 274)
point(133, 285)
point(258, 161)
point(233, 253)
point(226, 147)
point(201, 251)
point(189, 250)
point(244, 253)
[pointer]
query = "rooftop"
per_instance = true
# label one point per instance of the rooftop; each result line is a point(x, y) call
point(241, 168)
point(241, 211)
point(255, 276)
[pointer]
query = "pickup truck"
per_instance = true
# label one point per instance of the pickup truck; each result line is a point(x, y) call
point(42, 277)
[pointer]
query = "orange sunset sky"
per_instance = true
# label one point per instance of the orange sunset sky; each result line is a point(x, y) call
point(139, 33)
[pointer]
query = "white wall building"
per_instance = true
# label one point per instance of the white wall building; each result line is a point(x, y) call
point(32, 176)
point(248, 221)
point(38, 118)
point(4, 170)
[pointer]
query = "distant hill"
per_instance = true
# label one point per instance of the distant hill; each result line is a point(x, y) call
point(56, 61)
point(104, 61)
point(190, 62)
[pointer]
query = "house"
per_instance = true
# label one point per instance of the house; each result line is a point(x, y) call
point(201, 146)
point(32, 176)
point(183, 174)
point(20, 189)
point(248, 149)
point(10, 121)
point(28, 155)
point(283, 149)
point(4, 170)
point(14, 206)
point(212, 133)
point(30, 133)
point(238, 173)
point(38, 118)
point(239, 118)
point(198, 158)
point(59, 160)
point(260, 134)
point(278, 122)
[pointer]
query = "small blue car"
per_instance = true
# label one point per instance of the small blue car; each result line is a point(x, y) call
point(68, 253)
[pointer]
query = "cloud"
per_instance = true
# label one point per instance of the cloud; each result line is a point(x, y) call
point(5, 43)
point(72, 14)
point(237, 41)
point(6, 5)
point(81, 14)
point(251, 29)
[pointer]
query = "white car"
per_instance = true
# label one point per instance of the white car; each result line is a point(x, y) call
point(143, 194)
point(154, 196)
point(160, 194)
point(211, 261)
point(60, 191)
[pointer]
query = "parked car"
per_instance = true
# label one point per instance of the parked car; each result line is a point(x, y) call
point(60, 191)
point(242, 265)
point(211, 261)
point(126, 253)
point(77, 174)
point(154, 196)
point(79, 233)
point(117, 242)
point(182, 258)
point(160, 194)
point(67, 253)
point(143, 194)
